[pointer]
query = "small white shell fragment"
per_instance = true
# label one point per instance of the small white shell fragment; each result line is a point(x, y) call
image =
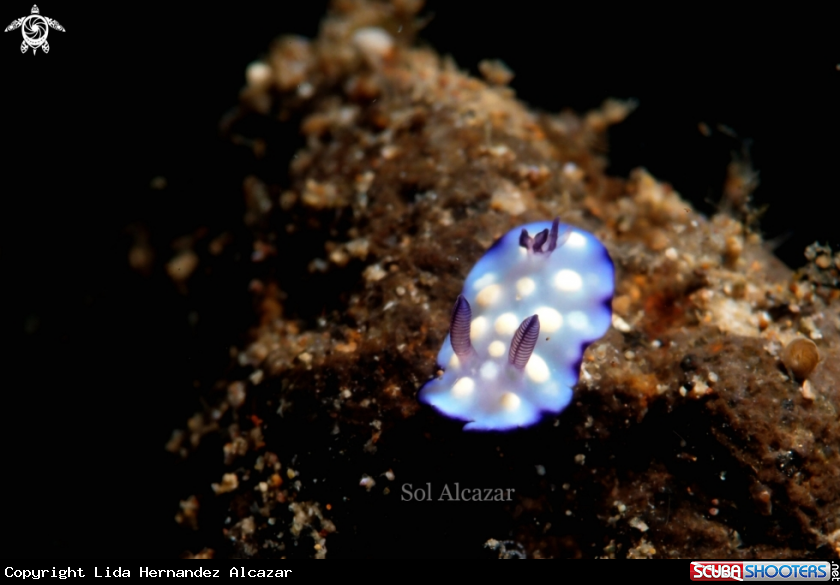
point(258, 75)
point(374, 43)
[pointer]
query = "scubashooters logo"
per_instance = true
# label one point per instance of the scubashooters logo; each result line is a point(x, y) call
point(764, 571)
point(35, 29)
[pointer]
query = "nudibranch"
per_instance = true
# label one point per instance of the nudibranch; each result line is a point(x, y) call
point(529, 308)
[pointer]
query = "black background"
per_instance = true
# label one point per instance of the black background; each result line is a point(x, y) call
point(101, 364)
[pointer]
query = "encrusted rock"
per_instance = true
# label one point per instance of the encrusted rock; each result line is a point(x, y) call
point(411, 169)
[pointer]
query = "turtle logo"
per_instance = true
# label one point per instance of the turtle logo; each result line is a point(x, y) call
point(35, 28)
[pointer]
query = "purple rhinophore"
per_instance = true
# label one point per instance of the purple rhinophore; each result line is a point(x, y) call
point(459, 327)
point(524, 340)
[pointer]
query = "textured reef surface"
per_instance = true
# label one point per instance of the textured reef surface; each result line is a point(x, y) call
point(694, 430)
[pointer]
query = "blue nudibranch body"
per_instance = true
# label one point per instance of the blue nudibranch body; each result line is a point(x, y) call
point(528, 310)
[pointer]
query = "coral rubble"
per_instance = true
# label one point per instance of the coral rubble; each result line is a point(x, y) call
point(687, 435)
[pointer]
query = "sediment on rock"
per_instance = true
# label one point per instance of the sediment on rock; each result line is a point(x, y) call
point(688, 435)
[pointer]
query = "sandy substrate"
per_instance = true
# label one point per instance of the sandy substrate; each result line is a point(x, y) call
point(692, 433)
